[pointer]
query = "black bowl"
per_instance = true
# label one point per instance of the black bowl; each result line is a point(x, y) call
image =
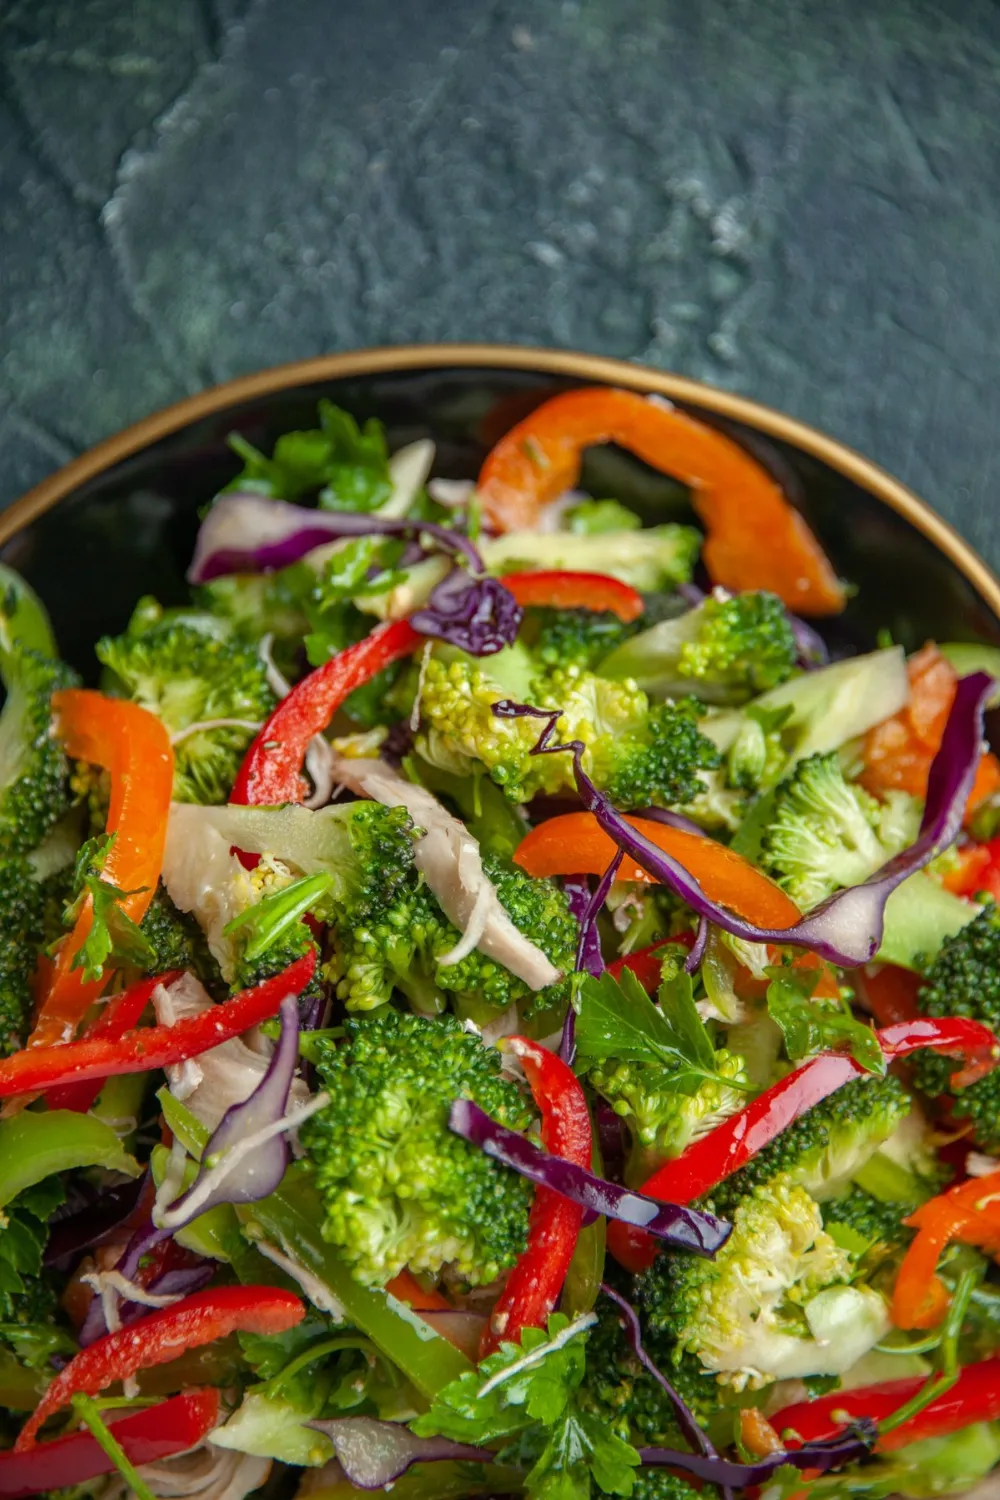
point(120, 521)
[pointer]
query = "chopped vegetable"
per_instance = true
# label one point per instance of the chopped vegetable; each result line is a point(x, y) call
point(755, 539)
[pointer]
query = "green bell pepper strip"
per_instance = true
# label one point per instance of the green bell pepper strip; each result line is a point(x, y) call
point(290, 1219)
point(20, 1387)
point(25, 624)
point(34, 1146)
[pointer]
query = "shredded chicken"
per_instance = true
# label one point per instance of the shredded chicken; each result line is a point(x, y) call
point(449, 859)
point(205, 1472)
point(227, 1074)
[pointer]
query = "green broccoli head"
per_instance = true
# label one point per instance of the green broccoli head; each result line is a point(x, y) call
point(825, 1147)
point(618, 1390)
point(661, 1484)
point(177, 942)
point(34, 771)
point(774, 1304)
point(964, 980)
point(824, 833)
point(399, 1188)
point(573, 637)
point(636, 752)
point(22, 916)
point(877, 1228)
point(193, 670)
point(725, 650)
point(662, 1121)
point(396, 937)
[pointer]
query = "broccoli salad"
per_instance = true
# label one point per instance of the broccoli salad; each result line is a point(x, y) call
point(491, 1007)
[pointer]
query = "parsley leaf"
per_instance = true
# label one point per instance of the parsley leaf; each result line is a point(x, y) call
point(347, 464)
point(113, 936)
point(526, 1394)
point(810, 1026)
point(617, 1019)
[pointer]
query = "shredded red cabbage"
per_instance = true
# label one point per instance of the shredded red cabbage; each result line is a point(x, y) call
point(258, 1174)
point(246, 533)
point(811, 646)
point(477, 615)
point(373, 1454)
point(686, 1420)
point(101, 1218)
point(822, 1456)
point(684, 1228)
point(847, 927)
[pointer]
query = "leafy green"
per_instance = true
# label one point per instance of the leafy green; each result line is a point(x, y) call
point(527, 1394)
point(810, 1026)
point(113, 936)
point(617, 1019)
point(348, 464)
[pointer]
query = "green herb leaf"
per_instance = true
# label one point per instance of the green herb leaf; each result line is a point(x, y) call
point(810, 1026)
point(347, 464)
point(113, 937)
point(617, 1019)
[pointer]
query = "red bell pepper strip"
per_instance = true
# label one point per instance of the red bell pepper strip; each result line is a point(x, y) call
point(978, 869)
point(890, 993)
point(163, 1336)
point(152, 1047)
point(731, 1145)
point(756, 540)
point(565, 590)
point(534, 1285)
point(647, 963)
point(975, 1397)
point(146, 1437)
point(121, 1013)
point(272, 768)
point(134, 746)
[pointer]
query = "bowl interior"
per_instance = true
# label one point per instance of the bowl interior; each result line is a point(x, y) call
point(130, 530)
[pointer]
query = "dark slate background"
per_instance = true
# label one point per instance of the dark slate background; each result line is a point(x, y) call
point(790, 198)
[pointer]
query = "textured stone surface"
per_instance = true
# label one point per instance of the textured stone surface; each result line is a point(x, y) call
point(792, 199)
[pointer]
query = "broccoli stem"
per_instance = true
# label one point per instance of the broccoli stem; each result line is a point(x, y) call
point(291, 1218)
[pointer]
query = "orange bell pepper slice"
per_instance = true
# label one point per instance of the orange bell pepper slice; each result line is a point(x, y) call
point(756, 540)
point(575, 844)
point(134, 746)
point(898, 752)
point(969, 1212)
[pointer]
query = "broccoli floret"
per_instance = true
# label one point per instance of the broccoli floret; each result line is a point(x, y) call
point(394, 937)
point(574, 637)
point(823, 834)
point(879, 1225)
point(964, 980)
point(265, 604)
point(192, 670)
point(22, 918)
point(34, 771)
point(177, 942)
point(636, 752)
point(662, 1121)
point(660, 1484)
point(617, 1388)
point(399, 1188)
point(825, 1147)
point(725, 650)
point(774, 1303)
point(657, 557)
